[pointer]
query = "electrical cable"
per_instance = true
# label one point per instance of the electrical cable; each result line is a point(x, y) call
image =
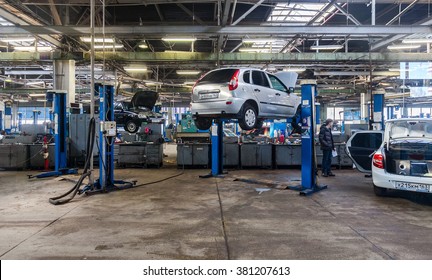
point(89, 148)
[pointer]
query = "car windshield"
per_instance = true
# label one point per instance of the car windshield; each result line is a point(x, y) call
point(217, 77)
point(411, 129)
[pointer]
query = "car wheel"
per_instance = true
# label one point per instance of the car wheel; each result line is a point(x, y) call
point(380, 191)
point(203, 123)
point(131, 126)
point(248, 119)
point(259, 124)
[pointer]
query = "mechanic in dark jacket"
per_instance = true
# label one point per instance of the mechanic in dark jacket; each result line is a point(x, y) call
point(327, 146)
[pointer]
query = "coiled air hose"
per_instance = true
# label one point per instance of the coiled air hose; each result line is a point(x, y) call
point(89, 148)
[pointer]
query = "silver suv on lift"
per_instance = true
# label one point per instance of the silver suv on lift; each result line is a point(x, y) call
point(249, 95)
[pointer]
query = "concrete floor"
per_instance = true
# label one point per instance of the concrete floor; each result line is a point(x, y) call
point(181, 218)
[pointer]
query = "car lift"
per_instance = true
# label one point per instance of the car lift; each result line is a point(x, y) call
point(308, 156)
point(217, 135)
point(107, 135)
point(60, 153)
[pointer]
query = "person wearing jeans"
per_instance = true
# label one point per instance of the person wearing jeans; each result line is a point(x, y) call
point(327, 146)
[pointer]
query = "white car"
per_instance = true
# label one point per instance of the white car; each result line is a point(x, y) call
point(249, 95)
point(398, 158)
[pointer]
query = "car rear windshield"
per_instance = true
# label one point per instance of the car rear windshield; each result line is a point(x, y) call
point(217, 77)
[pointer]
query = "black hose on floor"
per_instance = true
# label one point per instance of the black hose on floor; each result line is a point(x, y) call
point(89, 148)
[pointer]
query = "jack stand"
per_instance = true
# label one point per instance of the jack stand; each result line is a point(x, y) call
point(216, 150)
point(60, 127)
point(308, 159)
point(107, 135)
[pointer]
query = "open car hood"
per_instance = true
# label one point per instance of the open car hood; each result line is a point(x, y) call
point(288, 78)
point(145, 98)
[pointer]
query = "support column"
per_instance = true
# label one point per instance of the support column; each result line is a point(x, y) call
point(364, 104)
point(64, 79)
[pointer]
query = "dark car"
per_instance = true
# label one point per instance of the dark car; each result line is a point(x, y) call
point(132, 114)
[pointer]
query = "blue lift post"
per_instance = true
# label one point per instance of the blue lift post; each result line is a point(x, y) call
point(308, 159)
point(216, 132)
point(1, 120)
point(20, 118)
point(35, 116)
point(378, 110)
point(60, 128)
point(8, 117)
point(107, 135)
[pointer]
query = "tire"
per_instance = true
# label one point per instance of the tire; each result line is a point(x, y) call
point(248, 119)
point(259, 124)
point(131, 126)
point(380, 191)
point(203, 123)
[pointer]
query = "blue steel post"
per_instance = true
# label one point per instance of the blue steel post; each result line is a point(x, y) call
point(20, 117)
point(378, 109)
point(8, 117)
point(35, 116)
point(102, 148)
point(217, 148)
point(1, 120)
point(60, 130)
point(308, 124)
point(307, 148)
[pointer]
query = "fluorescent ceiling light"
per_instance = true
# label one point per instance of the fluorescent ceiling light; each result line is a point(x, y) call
point(33, 48)
point(188, 83)
point(294, 69)
point(188, 72)
point(115, 46)
point(143, 46)
point(262, 40)
point(41, 100)
point(136, 69)
point(97, 40)
point(403, 47)
point(11, 39)
point(394, 69)
point(326, 47)
point(179, 39)
point(417, 41)
point(171, 51)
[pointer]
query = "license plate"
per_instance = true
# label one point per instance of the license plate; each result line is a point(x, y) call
point(413, 187)
point(208, 95)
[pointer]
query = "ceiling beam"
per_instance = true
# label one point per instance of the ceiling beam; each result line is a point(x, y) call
point(346, 13)
point(247, 12)
point(13, 18)
point(238, 58)
point(217, 30)
point(404, 11)
point(384, 42)
point(356, 58)
point(162, 18)
point(55, 13)
point(191, 14)
point(151, 2)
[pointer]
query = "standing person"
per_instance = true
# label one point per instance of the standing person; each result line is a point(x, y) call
point(327, 146)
